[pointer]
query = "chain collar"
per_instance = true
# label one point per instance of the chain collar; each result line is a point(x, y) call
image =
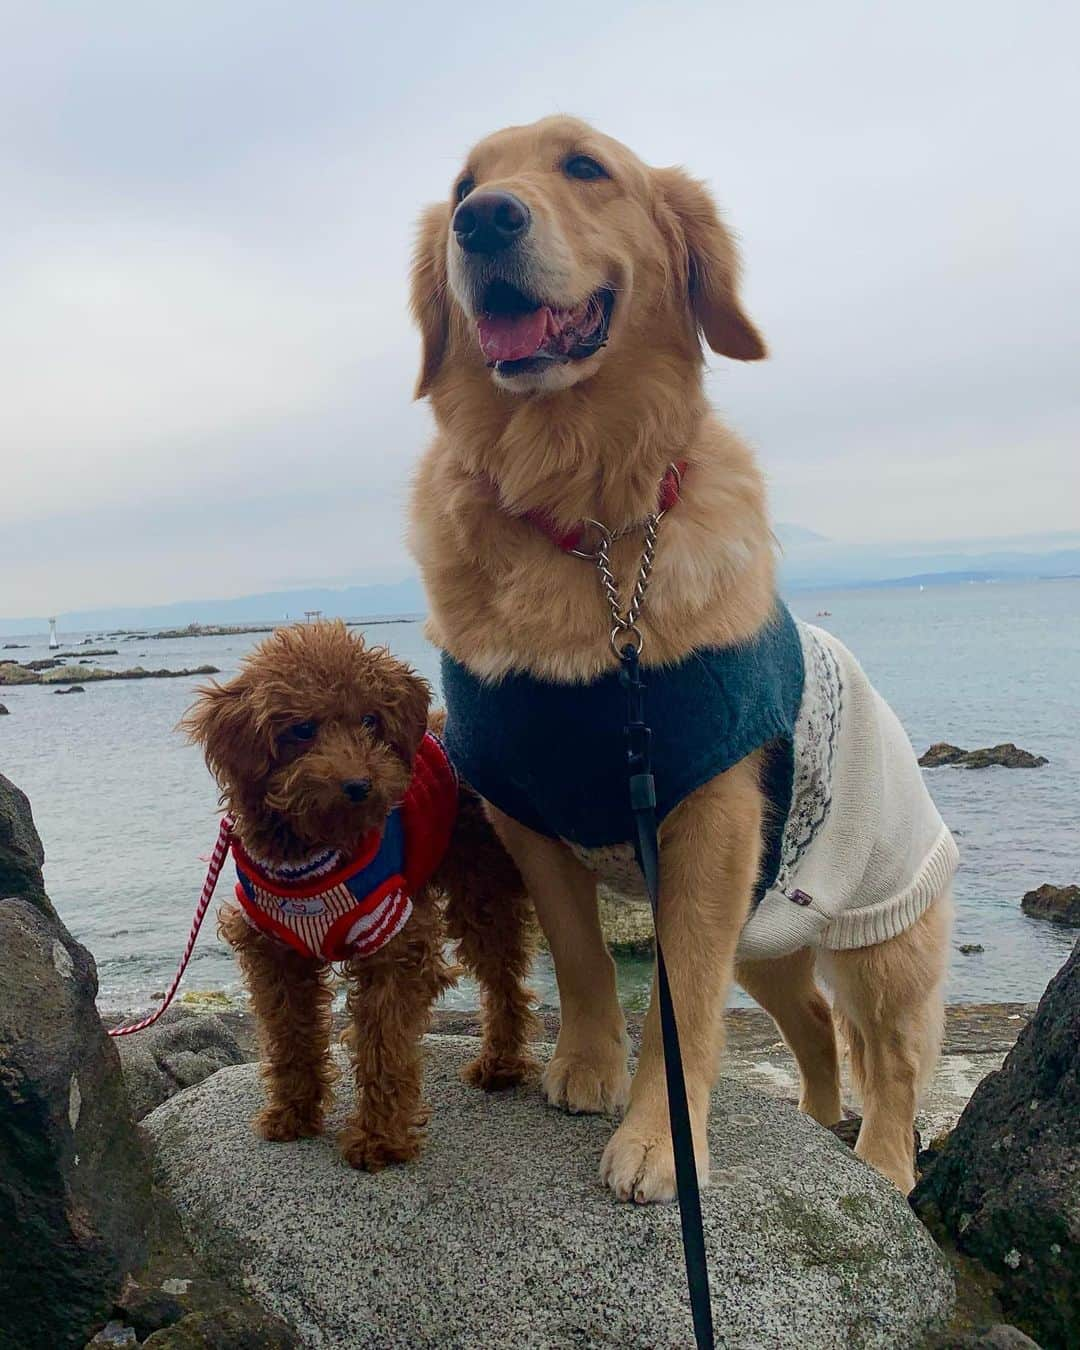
point(625, 630)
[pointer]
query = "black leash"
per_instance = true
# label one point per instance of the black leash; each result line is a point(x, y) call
point(647, 848)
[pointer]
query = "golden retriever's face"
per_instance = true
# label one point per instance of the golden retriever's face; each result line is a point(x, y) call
point(559, 248)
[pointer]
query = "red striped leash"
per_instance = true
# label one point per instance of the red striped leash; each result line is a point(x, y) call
point(217, 861)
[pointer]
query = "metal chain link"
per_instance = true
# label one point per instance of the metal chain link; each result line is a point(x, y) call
point(625, 627)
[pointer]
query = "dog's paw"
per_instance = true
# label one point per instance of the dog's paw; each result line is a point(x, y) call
point(496, 1073)
point(639, 1164)
point(588, 1085)
point(281, 1124)
point(369, 1152)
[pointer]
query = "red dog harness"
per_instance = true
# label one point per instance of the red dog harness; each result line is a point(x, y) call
point(333, 906)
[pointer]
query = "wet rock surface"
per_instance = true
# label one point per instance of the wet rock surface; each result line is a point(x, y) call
point(1006, 1185)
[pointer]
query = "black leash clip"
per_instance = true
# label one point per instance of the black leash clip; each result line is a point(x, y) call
point(638, 735)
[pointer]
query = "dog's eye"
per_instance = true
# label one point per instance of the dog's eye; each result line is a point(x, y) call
point(585, 168)
point(370, 721)
point(464, 188)
point(303, 731)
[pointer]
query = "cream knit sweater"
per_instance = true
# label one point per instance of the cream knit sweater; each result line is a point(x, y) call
point(864, 851)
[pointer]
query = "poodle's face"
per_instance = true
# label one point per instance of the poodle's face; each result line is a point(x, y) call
point(313, 742)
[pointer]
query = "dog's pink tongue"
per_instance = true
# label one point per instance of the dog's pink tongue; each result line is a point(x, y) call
point(513, 337)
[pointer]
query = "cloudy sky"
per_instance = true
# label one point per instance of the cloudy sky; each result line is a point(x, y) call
point(205, 356)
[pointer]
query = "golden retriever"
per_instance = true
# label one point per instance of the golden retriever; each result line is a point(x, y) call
point(562, 289)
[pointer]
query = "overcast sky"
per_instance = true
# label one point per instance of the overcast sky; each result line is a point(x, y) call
point(207, 207)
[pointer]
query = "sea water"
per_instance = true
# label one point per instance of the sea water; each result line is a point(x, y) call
point(127, 811)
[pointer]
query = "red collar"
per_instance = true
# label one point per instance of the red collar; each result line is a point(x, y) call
point(668, 493)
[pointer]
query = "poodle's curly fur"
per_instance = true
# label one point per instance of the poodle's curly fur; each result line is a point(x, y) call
point(363, 714)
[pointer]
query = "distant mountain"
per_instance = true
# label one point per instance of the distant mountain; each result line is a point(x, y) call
point(348, 602)
point(815, 565)
point(808, 561)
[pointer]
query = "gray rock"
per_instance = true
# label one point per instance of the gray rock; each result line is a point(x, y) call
point(224, 1329)
point(502, 1235)
point(1059, 904)
point(627, 927)
point(113, 1334)
point(148, 1310)
point(4, 711)
point(74, 1177)
point(177, 1052)
point(999, 1337)
point(1006, 756)
point(21, 854)
point(1006, 1185)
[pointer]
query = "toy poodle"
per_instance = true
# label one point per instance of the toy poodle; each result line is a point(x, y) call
point(357, 846)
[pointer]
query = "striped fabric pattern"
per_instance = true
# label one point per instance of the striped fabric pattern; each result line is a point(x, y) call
point(311, 918)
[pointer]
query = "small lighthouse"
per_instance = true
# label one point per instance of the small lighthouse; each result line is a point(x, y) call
point(54, 641)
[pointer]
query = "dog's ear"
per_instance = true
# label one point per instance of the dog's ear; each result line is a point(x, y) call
point(406, 701)
point(708, 265)
point(224, 724)
point(428, 298)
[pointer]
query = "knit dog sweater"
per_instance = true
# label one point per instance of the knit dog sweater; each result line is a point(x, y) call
point(853, 850)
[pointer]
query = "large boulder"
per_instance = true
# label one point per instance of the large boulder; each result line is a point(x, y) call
point(501, 1234)
point(1006, 1185)
point(178, 1051)
point(74, 1176)
point(1059, 904)
point(21, 853)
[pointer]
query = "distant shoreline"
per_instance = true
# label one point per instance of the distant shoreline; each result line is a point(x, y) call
point(796, 576)
point(197, 630)
point(216, 630)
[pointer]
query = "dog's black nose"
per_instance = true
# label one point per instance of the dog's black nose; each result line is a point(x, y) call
point(485, 222)
point(356, 789)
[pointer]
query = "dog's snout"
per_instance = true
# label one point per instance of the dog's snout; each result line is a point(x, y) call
point(356, 789)
point(486, 222)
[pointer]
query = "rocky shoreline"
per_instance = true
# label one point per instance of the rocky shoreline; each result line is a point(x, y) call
point(186, 1231)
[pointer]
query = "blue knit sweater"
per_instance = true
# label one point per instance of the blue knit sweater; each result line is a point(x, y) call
point(553, 756)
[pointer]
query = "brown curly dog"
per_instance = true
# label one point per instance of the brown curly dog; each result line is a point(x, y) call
point(319, 746)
